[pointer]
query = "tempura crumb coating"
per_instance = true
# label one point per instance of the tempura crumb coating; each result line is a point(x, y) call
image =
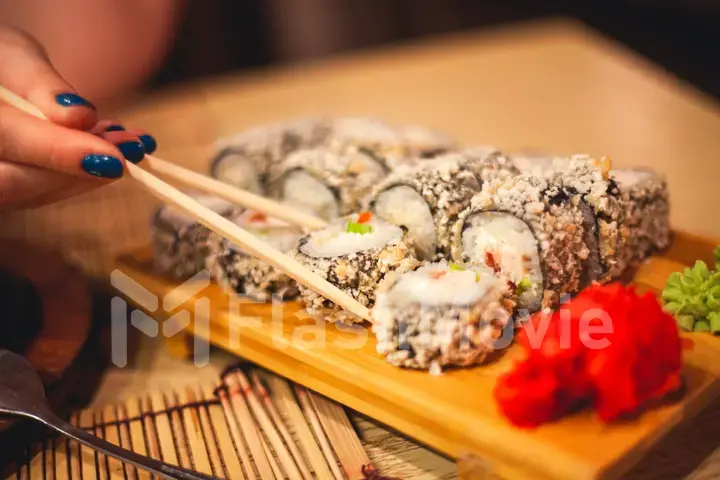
point(555, 221)
point(447, 184)
point(267, 146)
point(422, 337)
point(242, 274)
point(647, 216)
point(358, 274)
point(583, 179)
point(180, 244)
point(345, 172)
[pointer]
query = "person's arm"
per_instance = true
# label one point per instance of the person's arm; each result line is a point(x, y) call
point(104, 48)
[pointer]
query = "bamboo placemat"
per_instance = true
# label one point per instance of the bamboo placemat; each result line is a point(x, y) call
point(252, 425)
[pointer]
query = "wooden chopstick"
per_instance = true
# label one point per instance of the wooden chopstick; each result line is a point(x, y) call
point(222, 226)
point(236, 195)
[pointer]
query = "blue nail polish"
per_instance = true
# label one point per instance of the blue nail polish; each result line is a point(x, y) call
point(132, 151)
point(72, 100)
point(149, 143)
point(115, 128)
point(103, 166)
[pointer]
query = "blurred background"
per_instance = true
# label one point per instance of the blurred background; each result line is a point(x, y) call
point(112, 50)
point(683, 36)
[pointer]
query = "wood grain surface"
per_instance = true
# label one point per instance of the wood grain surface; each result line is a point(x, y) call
point(454, 413)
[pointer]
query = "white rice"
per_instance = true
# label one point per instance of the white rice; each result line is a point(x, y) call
point(276, 233)
point(404, 206)
point(335, 241)
point(254, 220)
point(513, 247)
point(238, 170)
point(453, 287)
point(310, 194)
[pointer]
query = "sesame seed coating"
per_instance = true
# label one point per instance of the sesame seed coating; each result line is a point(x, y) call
point(447, 184)
point(358, 274)
point(245, 275)
point(555, 221)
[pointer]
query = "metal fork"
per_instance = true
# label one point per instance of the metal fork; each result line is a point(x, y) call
point(22, 394)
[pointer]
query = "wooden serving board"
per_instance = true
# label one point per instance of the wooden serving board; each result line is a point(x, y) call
point(454, 413)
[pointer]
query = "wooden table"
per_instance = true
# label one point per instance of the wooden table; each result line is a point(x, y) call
point(549, 87)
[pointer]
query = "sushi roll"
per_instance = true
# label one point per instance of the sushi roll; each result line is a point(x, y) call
point(441, 315)
point(586, 181)
point(354, 254)
point(180, 243)
point(326, 183)
point(536, 165)
point(489, 164)
point(241, 274)
point(247, 160)
point(422, 142)
point(375, 138)
point(531, 233)
point(427, 199)
point(646, 204)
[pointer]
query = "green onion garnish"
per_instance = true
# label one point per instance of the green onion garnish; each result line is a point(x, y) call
point(359, 228)
point(523, 286)
point(456, 267)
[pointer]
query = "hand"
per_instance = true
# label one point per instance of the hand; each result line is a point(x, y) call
point(43, 162)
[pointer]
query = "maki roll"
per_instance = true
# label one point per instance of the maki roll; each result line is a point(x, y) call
point(488, 164)
point(530, 233)
point(241, 274)
point(375, 138)
point(441, 315)
point(646, 205)
point(247, 160)
point(326, 183)
point(533, 164)
point(354, 254)
point(586, 181)
point(422, 142)
point(427, 199)
point(180, 243)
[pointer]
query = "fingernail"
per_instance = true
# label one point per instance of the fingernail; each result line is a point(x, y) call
point(149, 143)
point(132, 151)
point(72, 100)
point(103, 166)
point(115, 128)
